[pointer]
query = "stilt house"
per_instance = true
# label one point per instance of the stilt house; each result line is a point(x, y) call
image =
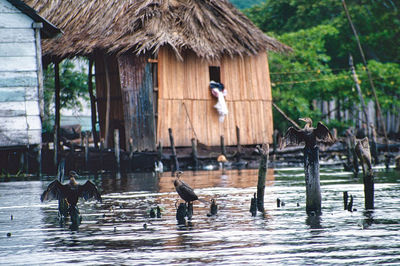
point(154, 61)
point(21, 31)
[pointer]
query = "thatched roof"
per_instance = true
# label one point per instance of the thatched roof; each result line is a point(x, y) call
point(208, 27)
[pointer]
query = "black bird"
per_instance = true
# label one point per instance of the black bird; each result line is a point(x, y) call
point(308, 134)
point(183, 189)
point(69, 194)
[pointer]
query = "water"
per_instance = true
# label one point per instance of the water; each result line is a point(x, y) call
point(114, 233)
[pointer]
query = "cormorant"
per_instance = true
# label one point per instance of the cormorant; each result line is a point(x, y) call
point(308, 134)
point(183, 189)
point(69, 194)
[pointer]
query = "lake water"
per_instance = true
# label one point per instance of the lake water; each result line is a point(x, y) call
point(119, 231)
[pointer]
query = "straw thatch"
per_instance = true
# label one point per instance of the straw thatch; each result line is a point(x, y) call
point(210, 28)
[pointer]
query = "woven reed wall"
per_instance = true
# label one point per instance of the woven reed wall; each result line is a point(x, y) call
point(185, 102)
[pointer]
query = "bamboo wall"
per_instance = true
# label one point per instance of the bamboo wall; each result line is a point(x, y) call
point(185, 102)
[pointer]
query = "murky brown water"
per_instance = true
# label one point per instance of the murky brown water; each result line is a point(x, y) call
point(114, 233)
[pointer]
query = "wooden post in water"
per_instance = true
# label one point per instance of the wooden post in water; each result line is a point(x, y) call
point(194, 154)
point(311, 171)
point(175, 162)
point(262, 174)
point(239, 146)
point(364, 155)
point(223, 149)
point(117, 149)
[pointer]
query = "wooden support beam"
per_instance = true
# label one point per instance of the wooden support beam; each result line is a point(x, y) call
point(194, 154)
point(57, 105)
point(117, 149)
point(92, 104)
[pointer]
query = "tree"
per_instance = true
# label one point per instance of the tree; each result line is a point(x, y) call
point(73, 90)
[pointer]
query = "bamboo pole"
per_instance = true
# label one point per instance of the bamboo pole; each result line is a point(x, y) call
point(356, 81)
point(379, 113)
point(285, 116)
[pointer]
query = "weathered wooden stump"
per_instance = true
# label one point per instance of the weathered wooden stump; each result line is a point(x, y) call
point(364, 155)
point(253, 205)
point(262, 174)
point(181, 213)
point(213, 208)
point(309, 136)
point(311, 171)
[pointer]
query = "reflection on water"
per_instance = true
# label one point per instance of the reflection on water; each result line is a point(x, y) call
point(120, 230)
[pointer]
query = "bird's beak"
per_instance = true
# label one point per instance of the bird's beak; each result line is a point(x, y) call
point(302, 119)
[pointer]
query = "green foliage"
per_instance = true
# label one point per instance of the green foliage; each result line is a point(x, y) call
point(242, 4)
point(73, 88)
point(322, 39)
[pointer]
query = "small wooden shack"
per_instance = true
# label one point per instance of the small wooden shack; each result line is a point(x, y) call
point(21, 90)
point(154, 61)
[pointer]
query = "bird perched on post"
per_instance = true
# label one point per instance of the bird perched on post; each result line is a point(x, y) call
point(69, 194)
point(308, 134)
point(183, 189)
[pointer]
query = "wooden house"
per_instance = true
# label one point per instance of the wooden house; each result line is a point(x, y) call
point(21, 30)
point(154, 61)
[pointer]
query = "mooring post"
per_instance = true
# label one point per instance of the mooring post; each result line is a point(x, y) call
point(194, 154)
point(345, 199)
point(117, 149)
point(311, 171)
point(223, 149)
point(262, 174)
point(174, 160)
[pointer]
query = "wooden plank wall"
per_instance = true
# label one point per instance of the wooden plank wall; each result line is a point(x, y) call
point(137, 90)
point(116, 110)
point(185, 103)
point(20, 122)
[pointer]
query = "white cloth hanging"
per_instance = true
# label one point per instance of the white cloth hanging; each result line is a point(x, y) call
point(221, 104)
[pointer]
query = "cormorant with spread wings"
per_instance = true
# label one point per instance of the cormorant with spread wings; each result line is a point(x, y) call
point(70, 193)
point(308, 134)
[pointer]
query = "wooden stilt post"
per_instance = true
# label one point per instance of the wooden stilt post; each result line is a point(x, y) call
point(223, 149)
point(352, 156)
point(239, 146)
point(108, 104)
point(175, 163)
point(313, 190)
point(194, 154)
point(39, 160)
point(117, 149)
point(57, 86)
point(262, 174)
point(92, 104)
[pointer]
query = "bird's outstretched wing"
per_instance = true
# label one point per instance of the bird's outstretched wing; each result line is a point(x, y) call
point(89, 190)
point(55, 190)
point(292, 136)
point(323, 133)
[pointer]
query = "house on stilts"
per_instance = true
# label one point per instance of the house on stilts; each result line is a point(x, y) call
point(21, 86)
point(154, 61)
